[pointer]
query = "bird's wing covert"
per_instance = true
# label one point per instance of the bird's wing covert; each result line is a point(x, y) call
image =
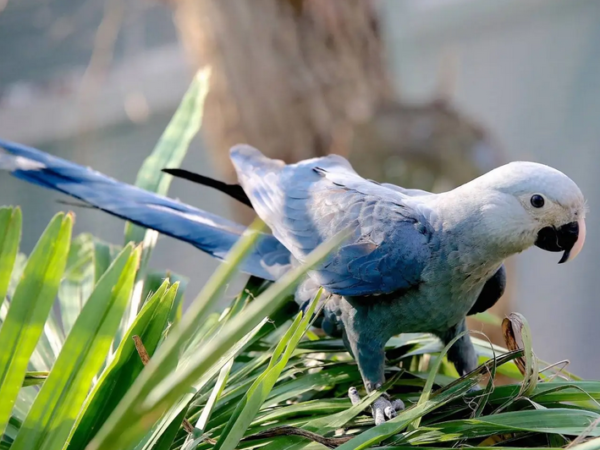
point(307, 203)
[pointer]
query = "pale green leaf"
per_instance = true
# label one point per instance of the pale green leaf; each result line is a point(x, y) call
point(56, 407)
point(29, 309)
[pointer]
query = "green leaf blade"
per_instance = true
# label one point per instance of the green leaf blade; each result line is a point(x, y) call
point(29, 309)
point(258, 392)
point(49, 422)
point(158, 387)
point(126, 365)
point(78, 281)
point(168, 152)
point(10, 236)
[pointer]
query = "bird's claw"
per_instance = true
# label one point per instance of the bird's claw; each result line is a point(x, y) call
point(383, 409)
point(354, 397)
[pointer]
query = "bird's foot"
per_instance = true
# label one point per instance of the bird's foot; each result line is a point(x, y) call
point(383, 408)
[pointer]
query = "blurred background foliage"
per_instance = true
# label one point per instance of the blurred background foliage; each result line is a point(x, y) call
point(424, 93)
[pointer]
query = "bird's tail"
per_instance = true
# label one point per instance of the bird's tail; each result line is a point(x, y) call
point(210, 233)
point(235, 191)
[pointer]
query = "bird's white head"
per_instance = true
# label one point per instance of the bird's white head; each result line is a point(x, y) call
point(532, 204)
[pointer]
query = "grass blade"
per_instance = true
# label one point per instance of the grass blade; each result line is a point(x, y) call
point(211, 326)
point(58, 403)
point(29, 309)
point(256, 311)
point(34, 378)
point(155, 434)
point(325, 425)
point(258, 392)
point(592, 444)
point(379, 433)
point(116, 379)
point(169, 152)
point(159, 388)
point(559, 421)
point(104, 254)
point(119, 426)
point(167, 437)
point(154, 280)
point(78, 281)
point(10, 236)
point(434, 369)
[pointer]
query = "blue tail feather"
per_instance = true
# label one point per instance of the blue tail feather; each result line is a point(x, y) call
point(208, 232)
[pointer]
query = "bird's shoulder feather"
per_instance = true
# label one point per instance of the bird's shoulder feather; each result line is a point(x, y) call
point(309, 202)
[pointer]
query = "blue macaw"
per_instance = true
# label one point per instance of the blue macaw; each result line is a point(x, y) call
point(414, 261)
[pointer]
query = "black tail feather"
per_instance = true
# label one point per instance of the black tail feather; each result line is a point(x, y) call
point(233, 190)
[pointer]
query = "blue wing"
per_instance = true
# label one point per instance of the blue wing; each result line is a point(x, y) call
point(208, 232)
point(304, 204)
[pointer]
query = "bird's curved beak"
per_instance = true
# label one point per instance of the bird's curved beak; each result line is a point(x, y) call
point(568, 239)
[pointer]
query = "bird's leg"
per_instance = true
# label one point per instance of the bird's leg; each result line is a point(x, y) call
point(370, 356)
point(462, 354)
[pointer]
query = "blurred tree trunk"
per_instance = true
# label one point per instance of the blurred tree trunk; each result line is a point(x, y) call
point(288, 76)
point(303, 78)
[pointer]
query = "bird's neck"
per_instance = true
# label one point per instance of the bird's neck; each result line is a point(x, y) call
point(477, 236)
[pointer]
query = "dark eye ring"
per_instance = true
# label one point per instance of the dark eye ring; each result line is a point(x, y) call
point(537, 201)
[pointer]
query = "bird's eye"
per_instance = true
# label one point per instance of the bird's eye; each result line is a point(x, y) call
point(537, 201)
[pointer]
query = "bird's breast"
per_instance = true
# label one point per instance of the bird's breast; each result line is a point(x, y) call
point(433, 311)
